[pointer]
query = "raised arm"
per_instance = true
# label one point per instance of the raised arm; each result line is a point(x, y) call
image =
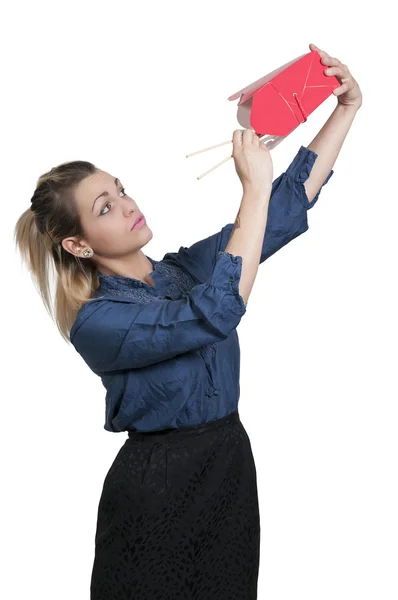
point(298, 188)
point(328, 142)
point(286, 219)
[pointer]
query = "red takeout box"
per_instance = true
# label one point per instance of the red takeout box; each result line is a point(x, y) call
point(280, 101)
point(276, 104)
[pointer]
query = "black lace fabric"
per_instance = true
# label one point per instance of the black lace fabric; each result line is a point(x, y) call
point(178, 517)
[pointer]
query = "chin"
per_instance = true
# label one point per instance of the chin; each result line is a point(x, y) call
point(146, 234)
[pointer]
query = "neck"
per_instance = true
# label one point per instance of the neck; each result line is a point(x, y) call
point(136, 267)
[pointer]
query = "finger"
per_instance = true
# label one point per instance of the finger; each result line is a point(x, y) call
point(339, 71)
point(247, 136)
point(321, 52)
point(331, 61)
point(255, 139)
point(342, 89)
point(237, 138)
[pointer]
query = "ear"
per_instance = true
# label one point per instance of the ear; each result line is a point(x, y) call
point(74, 246)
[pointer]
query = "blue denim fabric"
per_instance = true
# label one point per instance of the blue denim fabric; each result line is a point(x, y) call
point(169, 355)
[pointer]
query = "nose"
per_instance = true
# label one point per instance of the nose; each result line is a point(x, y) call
point(129, 208)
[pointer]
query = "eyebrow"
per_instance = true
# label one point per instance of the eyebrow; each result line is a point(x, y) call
point(104, 194)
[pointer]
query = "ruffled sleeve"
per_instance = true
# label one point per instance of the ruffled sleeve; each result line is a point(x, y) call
point(112, 336)
point(299, 171)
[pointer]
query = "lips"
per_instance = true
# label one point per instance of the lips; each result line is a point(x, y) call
point(136, 220)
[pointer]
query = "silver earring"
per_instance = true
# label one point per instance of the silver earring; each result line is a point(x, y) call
point(88, 253)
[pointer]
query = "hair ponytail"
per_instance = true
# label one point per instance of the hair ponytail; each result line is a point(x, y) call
point(39, 231)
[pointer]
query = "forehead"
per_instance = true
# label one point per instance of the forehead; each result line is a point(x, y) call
point(94, 182)
point(92, 186)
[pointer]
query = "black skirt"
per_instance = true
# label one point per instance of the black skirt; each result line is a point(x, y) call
point(178, 517)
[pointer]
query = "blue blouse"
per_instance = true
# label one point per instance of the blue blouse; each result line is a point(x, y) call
point(168, 356)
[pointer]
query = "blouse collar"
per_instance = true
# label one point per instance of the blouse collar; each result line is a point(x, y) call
point(120, 282)
point(169, 278)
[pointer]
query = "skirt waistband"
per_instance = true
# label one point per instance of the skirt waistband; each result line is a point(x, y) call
point(182, 432)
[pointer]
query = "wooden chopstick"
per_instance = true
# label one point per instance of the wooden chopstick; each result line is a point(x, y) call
point(217, 146)
point(209, 148)
point(225, 159)
point(215, 167)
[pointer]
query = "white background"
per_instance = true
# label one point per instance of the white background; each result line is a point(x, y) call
point(134, 87)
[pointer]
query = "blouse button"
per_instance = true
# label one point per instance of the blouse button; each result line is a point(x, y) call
point(216, 392)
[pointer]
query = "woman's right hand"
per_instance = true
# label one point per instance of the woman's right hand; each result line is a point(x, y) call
point(253, 161)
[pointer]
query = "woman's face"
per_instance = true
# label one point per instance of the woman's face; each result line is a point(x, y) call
point(107, 214)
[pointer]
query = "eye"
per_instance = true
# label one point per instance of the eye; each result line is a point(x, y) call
point(110, 204)
point(102, 210)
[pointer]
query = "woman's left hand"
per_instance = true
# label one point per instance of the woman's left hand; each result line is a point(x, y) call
point(348, 94)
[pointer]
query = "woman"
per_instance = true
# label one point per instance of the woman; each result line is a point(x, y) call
point(178, 515)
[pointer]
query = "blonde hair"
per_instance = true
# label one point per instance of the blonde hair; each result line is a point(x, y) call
point(38, 233)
